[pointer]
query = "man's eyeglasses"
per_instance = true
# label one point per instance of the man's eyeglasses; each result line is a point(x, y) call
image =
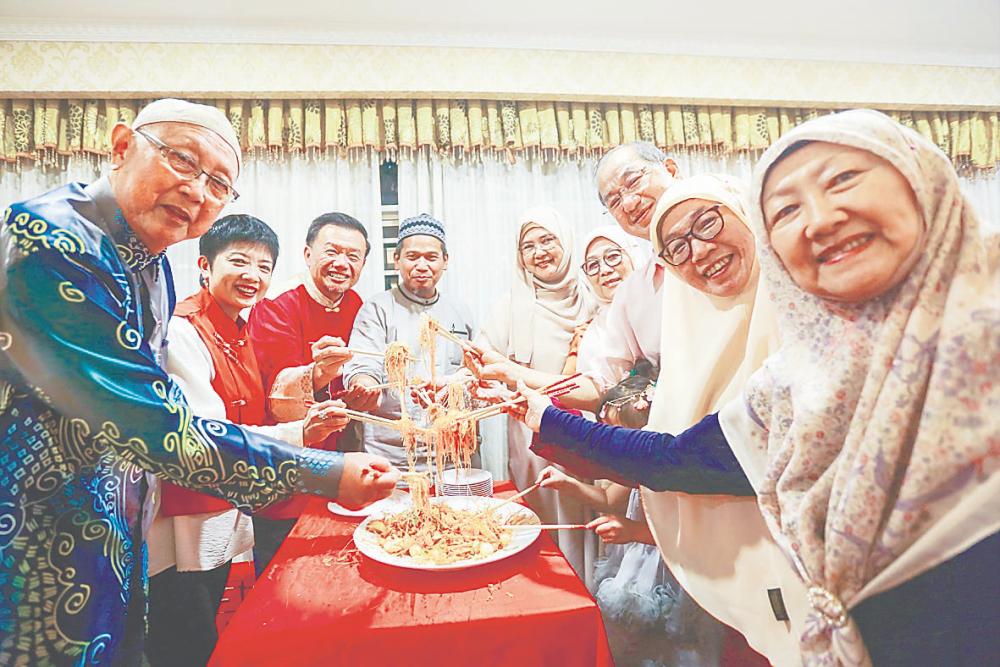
point(630, 186)
point(677, 250)
point(188, 169)
point(612, 257)
point(545, 244)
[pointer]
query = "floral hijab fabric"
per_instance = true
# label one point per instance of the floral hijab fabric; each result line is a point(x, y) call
point(879, 422)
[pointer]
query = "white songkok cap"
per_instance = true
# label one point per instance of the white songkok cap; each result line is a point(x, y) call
point(170, 110)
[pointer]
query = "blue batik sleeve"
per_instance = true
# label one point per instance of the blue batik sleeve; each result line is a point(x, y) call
point(698, 461)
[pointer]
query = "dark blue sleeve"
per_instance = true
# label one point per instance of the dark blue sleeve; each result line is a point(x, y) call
point(698, 461)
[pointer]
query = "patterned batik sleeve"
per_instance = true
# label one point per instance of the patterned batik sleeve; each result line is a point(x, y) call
point(72, 337)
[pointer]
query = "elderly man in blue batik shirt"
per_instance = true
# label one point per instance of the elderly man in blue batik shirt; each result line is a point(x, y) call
point(421, 258)
point(89, 420)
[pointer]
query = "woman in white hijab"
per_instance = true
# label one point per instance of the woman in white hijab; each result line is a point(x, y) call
point(609, 257)
point(871, 437)
point(533, 326)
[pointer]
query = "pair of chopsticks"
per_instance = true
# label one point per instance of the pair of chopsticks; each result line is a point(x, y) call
point(352, 350)
point(443, 331)
point(371, 419)
point(556, 389)
point(380, 355)
point(366, 353)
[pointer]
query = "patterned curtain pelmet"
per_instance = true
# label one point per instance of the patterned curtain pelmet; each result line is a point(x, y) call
point(48, 130)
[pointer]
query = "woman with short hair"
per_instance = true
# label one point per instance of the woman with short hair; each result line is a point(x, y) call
point(195, 537)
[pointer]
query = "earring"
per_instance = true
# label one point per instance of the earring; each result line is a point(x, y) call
point(202, 282)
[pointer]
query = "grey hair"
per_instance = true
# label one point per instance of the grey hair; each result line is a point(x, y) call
point(645, 151)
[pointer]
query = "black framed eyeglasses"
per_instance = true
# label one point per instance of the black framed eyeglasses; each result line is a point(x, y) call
point(612, 257)
point(188, 169)
point(677, 250)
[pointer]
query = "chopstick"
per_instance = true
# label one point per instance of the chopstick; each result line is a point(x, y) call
point(384, 385)
point(380, 355)
point(550, 526)
point(558, 384)
point(367, 353)
point(516, 496)
point(498, 408)
point(370, 419)
point(464, 344)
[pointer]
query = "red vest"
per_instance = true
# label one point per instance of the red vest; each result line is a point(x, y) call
point(237, 381)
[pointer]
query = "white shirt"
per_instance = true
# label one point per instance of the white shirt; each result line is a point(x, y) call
point(200, 542)
point(630, 331)
point(394, 316)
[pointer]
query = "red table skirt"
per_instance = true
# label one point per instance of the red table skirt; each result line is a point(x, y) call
point(323, 603)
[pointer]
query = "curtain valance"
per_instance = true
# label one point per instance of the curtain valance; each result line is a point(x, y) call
point(46, 131)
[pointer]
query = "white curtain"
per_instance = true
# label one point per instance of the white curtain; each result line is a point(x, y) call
point(20, 184)
point(285, 194)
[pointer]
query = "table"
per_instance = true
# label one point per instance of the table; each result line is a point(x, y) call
point(322, 603)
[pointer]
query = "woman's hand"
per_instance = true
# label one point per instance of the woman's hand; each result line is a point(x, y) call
point(491, 391)
point(362, 394)
point(505, 371)
point(614, 529)
point(553, 478)
point(531, 409)
point(321, 420)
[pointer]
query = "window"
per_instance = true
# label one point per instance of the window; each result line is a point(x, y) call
point(388, 182)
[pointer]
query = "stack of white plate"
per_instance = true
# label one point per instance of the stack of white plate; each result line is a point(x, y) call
point(462, 482)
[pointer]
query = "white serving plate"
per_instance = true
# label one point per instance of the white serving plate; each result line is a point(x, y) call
point(397, 499)
point(521, 538)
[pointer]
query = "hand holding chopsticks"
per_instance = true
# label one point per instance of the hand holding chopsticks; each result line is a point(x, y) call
point(554, 390)
point(443, 331)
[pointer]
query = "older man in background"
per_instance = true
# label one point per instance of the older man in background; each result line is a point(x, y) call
point(630, 179)
point(394, 316)
point(86, 411)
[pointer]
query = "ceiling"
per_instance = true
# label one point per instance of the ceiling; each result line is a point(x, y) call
point(956, 32)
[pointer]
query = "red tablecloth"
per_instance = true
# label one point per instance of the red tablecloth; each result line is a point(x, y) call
point(323, 603)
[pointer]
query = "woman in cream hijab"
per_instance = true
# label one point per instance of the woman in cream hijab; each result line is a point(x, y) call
point(870, 437)
point(533, 326)
point(718, 328)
